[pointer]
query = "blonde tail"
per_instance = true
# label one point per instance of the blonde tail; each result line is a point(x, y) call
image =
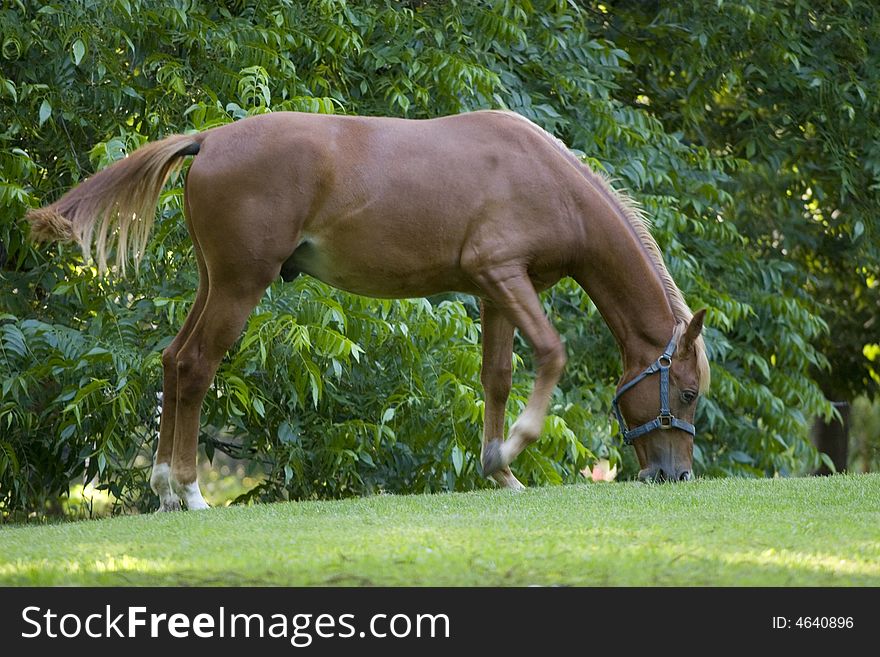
point(124, 193)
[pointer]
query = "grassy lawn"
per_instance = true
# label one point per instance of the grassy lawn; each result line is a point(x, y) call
point(783, 532)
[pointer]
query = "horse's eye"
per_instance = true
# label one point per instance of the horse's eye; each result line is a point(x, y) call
point(688, 396)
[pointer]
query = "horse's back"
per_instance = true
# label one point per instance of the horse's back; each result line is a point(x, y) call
point(384, 206)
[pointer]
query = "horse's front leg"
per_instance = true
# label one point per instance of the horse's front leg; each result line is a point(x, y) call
point(495, 376)
point(511, 291)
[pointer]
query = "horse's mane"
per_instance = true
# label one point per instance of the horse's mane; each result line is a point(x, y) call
point(635, 216)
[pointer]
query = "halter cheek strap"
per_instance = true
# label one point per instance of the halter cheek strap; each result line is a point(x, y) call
point(666, 420)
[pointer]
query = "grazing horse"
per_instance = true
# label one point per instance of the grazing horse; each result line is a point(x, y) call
point(485, 203)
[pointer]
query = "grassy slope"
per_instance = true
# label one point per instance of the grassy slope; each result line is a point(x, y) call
point(793, 532)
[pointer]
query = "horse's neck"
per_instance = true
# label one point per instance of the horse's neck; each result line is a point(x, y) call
point(625, 286)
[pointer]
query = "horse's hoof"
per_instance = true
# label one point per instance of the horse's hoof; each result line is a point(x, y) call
point(492, 459)
point(190, 495)
point(197, 504)
point(506, 480)
point(169, 505)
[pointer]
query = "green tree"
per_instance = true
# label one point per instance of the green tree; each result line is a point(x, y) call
point(790, 89)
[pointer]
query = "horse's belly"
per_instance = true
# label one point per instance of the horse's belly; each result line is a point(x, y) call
point(372, 271)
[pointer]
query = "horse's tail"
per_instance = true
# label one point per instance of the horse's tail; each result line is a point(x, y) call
point(125, 193)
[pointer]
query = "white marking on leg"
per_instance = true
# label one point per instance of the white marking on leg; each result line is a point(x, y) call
point(508, 450)
point(526, 430)
point(191, 495)
point(160, 482)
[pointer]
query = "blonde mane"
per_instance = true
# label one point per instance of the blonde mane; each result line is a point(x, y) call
point(635, 216)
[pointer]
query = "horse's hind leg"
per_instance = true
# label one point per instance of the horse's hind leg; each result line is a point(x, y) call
point(512, 292)
point(495, 376)
point(228, 304)
point(160, 478)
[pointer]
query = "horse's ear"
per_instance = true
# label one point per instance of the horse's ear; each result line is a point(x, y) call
point(692, 332)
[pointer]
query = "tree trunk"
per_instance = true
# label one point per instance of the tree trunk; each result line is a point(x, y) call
point(832, 438)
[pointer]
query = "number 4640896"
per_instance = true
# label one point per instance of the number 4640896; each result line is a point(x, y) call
point(824, 622)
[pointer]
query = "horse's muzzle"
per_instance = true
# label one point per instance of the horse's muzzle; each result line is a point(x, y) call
point(661, 474)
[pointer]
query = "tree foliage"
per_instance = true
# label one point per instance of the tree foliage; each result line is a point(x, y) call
point(790, 89)
point(746, 129)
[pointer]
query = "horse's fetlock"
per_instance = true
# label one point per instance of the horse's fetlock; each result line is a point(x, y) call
point(492, 459)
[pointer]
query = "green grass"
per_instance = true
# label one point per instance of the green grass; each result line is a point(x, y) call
point(782, 532)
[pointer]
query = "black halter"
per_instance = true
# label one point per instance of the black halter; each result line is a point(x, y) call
point(666, 420)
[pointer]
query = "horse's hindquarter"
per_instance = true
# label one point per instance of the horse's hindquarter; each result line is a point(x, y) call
point(391, 207)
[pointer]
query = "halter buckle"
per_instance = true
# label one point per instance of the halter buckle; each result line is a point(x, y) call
point(665, 420)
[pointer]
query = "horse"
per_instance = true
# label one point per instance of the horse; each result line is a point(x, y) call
point(485, 203)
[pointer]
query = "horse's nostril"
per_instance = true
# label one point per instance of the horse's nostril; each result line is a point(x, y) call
point(661, 475)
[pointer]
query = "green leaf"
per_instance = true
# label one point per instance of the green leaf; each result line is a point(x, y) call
point(828, 462)
point(741, 457)
point(45, 111)
point(457, 459)
point(10, 455)
point(79, 49)
point(286, 433)
point(9, 87)
point(858, 229)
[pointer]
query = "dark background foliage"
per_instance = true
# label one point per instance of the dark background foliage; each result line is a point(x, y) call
point(748, 129)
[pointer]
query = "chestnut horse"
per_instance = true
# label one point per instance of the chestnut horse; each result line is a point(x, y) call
point(485, 203)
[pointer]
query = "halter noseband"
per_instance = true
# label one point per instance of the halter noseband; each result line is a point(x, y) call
point(666, 420)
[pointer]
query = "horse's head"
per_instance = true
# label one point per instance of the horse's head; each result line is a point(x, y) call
point(656, 405)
